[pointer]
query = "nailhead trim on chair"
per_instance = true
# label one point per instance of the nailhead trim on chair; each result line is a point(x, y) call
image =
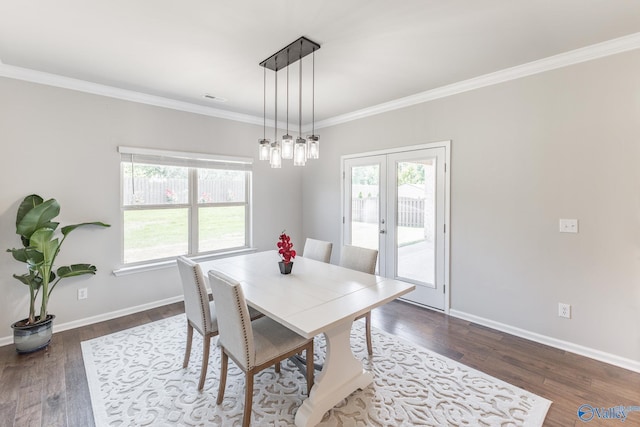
point(204, 299)
point(244, 327)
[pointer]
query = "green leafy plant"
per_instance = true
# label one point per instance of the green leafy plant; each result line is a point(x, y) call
point(41, 246)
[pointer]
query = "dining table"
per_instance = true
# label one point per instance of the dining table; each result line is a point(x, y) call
point(315, 298)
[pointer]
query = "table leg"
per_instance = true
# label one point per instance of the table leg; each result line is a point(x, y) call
point(341, 375)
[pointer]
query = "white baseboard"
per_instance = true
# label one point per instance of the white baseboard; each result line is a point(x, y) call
point(102, 317)
point(612, 359)
point(602, 356)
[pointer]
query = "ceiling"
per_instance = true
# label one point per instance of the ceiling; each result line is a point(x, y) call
point(372, 51)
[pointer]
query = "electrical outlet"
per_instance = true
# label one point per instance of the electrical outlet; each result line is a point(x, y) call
point(568, 225)
point(564, 310)
point(82, 293)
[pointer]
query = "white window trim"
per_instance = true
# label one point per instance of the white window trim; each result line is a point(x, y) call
point(161, 265)
point(184, 155)
point(225, 162)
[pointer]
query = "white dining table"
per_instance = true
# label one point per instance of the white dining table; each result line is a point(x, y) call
point(316, 298)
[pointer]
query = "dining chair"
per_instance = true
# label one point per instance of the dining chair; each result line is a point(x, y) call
point(201, 313)
point(361, 259)
point(317, 249)
point(253, 346)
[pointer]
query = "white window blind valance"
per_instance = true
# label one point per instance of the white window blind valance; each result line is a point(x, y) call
point(185, 159)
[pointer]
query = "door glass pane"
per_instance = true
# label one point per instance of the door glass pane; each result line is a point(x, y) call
point(415, 245)
point(143, 242)
point(365, 206)
point(221, 228)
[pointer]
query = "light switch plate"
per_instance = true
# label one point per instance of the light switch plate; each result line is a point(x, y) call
point(564, 310)
point(568, 225)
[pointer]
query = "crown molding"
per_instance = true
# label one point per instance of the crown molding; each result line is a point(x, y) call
point(55, 80)
point(588, 53)
point(577, 56)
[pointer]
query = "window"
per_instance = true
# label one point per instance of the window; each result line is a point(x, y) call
point(176, 203)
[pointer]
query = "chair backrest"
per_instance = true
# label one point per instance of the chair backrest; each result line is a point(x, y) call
point(196, 297)
point(234, 322)
point(357, 258)
point(317, 249)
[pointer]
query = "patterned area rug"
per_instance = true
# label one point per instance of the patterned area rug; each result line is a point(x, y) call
point(136, 379)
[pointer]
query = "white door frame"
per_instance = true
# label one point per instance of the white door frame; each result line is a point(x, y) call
point(447, 201)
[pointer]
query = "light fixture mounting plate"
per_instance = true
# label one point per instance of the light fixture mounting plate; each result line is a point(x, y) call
point(290, 54)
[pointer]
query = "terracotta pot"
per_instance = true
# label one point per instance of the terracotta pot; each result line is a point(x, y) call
point(285, 268)
point(30, 338)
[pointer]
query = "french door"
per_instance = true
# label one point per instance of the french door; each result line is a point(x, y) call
point(397, 202)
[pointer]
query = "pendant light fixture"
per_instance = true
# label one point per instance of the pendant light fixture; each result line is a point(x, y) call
point(276, 155)
point(313, 140)
point(286, 148)
point(264, 143)
point(300, 149)
point(287, 140)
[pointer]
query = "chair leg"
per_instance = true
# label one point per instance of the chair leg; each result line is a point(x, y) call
point(224, 359)
point(206, 345)
point(187, 352)
point(277, 366)
point(248, 399)
point(368, 327)
point(310, 367)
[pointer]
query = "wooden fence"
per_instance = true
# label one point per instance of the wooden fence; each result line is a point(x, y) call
point(159, 192)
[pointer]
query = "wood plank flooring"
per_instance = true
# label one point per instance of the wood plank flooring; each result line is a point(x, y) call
point(49, 388)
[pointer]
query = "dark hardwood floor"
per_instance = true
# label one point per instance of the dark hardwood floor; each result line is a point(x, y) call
point(49, 388)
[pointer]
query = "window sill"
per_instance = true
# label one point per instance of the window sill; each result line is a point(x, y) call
point(152, 266)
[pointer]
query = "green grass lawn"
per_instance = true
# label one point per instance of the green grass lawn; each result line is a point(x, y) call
point(153, 234)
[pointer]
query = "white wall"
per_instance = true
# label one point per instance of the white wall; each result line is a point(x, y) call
point(63, 144)
point(562, 144)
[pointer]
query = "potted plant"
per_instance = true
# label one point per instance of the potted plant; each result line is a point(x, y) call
point(286, 253)
point(40, 248)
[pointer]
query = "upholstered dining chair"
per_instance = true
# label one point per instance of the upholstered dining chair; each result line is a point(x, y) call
point(253, 346)
point(201, 313)
point(317, 249)
point(361, 259)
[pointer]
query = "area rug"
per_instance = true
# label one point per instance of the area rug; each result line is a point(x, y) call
point(136, 379)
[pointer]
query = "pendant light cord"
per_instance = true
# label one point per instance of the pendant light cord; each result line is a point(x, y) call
point(275, 121)
point(300, 96)
point(288, 59)
point(313, 93)
point(264, 104)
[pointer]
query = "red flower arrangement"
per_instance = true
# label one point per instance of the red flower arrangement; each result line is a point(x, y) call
point(284, 248)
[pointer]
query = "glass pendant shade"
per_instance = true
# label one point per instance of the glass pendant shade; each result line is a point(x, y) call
point(276, 156)
point(264, 149)
point(313, 149)
point(300, 152)
point(287, 147)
